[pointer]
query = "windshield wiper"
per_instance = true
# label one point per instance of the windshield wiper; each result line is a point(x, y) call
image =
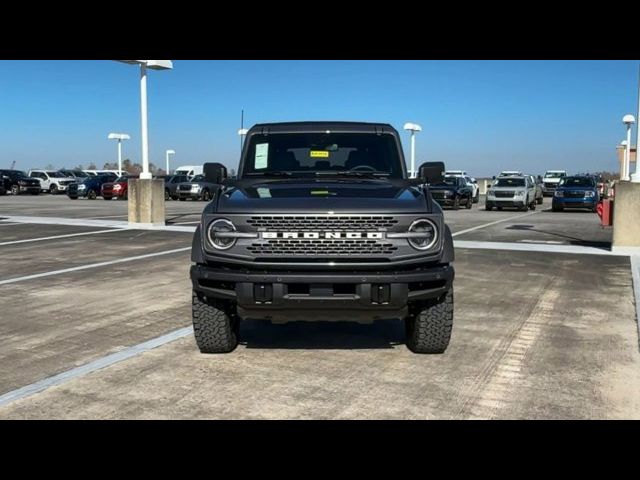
point(268, 174)
point(353, 173)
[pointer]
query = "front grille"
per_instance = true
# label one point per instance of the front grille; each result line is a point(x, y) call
point(437, 195)
point(308, 247)
point(504, 193)
point(574, 193)
point(550, 185)
point(367, 223)
point(184, 188)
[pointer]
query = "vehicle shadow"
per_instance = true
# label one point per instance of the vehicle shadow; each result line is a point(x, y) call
point(322, 335)
point(174, 218)
point(571, 240)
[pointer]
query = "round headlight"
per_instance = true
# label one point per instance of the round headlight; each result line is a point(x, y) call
point(426, 227)
point(219, 226)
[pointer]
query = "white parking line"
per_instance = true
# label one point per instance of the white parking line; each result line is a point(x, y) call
point(2, 224)
point(90, 367)
point(40, 239)
point(493, 223)
point(535, 247)
point(91, 265)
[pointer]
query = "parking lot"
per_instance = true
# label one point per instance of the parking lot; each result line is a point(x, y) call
point(96, 324)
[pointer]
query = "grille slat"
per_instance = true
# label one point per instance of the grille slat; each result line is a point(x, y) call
point(504, 193)
point(366, 223)
point(324, 247)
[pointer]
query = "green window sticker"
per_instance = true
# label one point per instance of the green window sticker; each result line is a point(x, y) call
point(262, 156)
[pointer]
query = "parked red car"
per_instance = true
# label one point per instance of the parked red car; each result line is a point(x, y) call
point(116, 189)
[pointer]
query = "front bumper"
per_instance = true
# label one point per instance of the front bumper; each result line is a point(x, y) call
point(586, 202)
point(189, 194)
point(314, 296)
point(515, 202)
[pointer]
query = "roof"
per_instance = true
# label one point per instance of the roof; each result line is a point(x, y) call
point(320, 126)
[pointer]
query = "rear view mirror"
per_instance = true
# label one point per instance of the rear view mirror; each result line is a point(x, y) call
point(214, 172)
point(431, 172)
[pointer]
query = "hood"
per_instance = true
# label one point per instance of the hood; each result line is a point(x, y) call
point(322, 196)
point(577, 187)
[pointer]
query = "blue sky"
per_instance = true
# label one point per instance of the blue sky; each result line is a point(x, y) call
point(481, 116)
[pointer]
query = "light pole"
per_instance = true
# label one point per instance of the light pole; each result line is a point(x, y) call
point(154, 65)
point(628, 120)
point(169, 152)
point(119, 137)
point(413, 128)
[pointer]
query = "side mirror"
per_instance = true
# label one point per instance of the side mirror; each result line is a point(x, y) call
point(431, 172)
point(214, 172)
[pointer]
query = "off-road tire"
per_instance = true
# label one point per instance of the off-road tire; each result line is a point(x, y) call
point(206, 195)
point(214, 329)
point(91, 194)
point(15, 190)
point(53, 189)
point(429, 331)
point(469, 203)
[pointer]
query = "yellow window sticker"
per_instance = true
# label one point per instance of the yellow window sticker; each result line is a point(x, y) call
point(319, 154)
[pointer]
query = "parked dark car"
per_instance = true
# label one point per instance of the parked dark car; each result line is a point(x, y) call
point(89, 187)
point(171, 186)
point(197, 189)
point(17, 182)
point(576, 192)
point(119, 188)
point(453, 192)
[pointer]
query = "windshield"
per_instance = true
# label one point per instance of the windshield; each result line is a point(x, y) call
point(452, 181)
point(198, 178)
point(56, 174)
point(121, 179)
point(323, 153)
point(554, 175)
point(577, 182)
point(510, 182)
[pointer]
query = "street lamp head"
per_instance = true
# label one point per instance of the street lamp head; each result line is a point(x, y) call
point(628, 119)
point(171, 152)
point(118, 136)
point(243, 131)
point(623, 143)
point(412, 127)
point(152, 64)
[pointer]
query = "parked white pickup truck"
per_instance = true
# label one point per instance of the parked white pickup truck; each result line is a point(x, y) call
point(52, 181)
point(550, 181)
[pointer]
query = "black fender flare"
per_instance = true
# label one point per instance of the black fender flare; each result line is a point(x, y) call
point(196, 247)
point(448, 253)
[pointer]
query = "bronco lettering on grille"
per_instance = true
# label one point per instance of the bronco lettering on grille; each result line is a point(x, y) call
point(323, 235)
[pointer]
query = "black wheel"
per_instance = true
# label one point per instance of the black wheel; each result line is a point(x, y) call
point(525, 206)
point(539, 200)
point(476, 199)
point(214, 329)
point(91, 194)
point(206, 195)
point(174, 198)
point(429, 331)
point(53, 189)
point(469, 203)
point(73, 198)
point(488, 206)
point(532, 206)
point(167, 196)
point(15, 190)
point(456, 203)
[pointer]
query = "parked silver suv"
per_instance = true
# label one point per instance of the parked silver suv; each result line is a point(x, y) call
point(512, 191)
